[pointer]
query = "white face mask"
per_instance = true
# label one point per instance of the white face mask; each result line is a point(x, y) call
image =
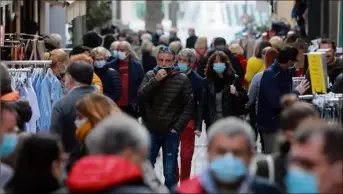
point(79, 123)
point(121, 55)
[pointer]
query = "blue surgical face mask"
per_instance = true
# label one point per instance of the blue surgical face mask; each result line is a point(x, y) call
point(9, 143)
point(299, 181)
point(183, 67)
point(115, 54)
point(228, 168)
point(219, 67)
point(159, 32)
point(99, 64)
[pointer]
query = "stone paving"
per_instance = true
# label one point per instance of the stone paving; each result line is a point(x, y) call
point(199, 161)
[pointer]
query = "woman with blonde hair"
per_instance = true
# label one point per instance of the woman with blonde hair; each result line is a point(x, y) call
point(109, 76)
point(90, 110)
point(59, 61)
point(176, 46)
point(148, 61)
point(84, 57)
point(200, 55)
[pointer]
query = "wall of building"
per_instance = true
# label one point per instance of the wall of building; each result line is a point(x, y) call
point(283, 9)
point(57, 22)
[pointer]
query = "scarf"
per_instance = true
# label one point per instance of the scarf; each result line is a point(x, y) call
point(219, 84)
point(13, 96)
point(82, 132)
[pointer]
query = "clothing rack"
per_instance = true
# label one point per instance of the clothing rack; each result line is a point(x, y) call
point(329, 105)
point(28, 62)
point(23, 34)
point(19, 70)
point(43, 64)
point(312, 96)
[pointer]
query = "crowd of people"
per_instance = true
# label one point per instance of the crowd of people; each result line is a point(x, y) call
point(126, 96)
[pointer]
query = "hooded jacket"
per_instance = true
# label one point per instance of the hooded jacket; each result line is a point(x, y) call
point(106, 174)
point(168, 103)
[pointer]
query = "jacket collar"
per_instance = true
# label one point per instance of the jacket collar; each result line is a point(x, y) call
point(80, 88)
point(277, 68)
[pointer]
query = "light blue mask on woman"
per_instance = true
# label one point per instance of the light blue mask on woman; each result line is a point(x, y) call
point(99, 64)
point(183, 67)
point(228, 168)
point(219, 67)
point(9, 143)
point(115, 54)
point(299, 181)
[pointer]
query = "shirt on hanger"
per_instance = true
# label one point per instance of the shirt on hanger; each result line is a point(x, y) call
point(51, 92)
point(31, 126)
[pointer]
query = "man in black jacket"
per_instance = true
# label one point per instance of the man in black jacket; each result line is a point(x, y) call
point(168, 101)
point(190, 42)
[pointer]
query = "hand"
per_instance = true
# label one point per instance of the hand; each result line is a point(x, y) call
point(233, 90)
point(161, 74)
point(197, 133)
point(174, 131)
point(303, 87)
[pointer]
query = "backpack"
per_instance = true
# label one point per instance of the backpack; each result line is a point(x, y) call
point(263, 166)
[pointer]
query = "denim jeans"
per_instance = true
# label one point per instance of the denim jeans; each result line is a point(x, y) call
point(170, 145)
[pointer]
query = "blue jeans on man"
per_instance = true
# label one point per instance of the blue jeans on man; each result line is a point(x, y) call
point(170, 146)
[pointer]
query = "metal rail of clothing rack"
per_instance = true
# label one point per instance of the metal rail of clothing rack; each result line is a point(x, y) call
point(312, 96)
point(332, 100)
point(19, 70)
point(28, 62)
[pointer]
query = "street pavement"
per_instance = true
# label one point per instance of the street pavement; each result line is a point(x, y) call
point(199, 161)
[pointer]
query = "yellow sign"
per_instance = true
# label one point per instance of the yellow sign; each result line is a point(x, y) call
point(317, 73)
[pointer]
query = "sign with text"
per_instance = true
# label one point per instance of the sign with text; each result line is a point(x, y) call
point(318, 71)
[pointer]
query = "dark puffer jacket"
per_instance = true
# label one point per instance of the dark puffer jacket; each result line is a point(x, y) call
point(168, 103)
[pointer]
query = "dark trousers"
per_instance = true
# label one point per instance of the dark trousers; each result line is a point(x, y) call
point(187, 149)
point(170, 146)
point(252, 115)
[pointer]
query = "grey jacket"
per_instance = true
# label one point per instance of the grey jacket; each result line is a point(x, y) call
point(64, 114)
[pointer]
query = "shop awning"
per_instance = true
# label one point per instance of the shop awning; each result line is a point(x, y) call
point(75, 9)
point(5, 2)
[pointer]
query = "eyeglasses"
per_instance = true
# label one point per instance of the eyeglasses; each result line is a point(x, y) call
point(166, 50)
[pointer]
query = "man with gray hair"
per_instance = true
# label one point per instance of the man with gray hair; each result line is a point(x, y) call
point(185, 61)
point(131, 74)
point(164, 40)
point(231, 145)
point(173, 35)
point(117, 148)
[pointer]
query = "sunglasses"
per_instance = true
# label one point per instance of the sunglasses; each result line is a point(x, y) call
point(166, 50)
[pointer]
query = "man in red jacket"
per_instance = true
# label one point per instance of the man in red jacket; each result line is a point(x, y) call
point(231, 144)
